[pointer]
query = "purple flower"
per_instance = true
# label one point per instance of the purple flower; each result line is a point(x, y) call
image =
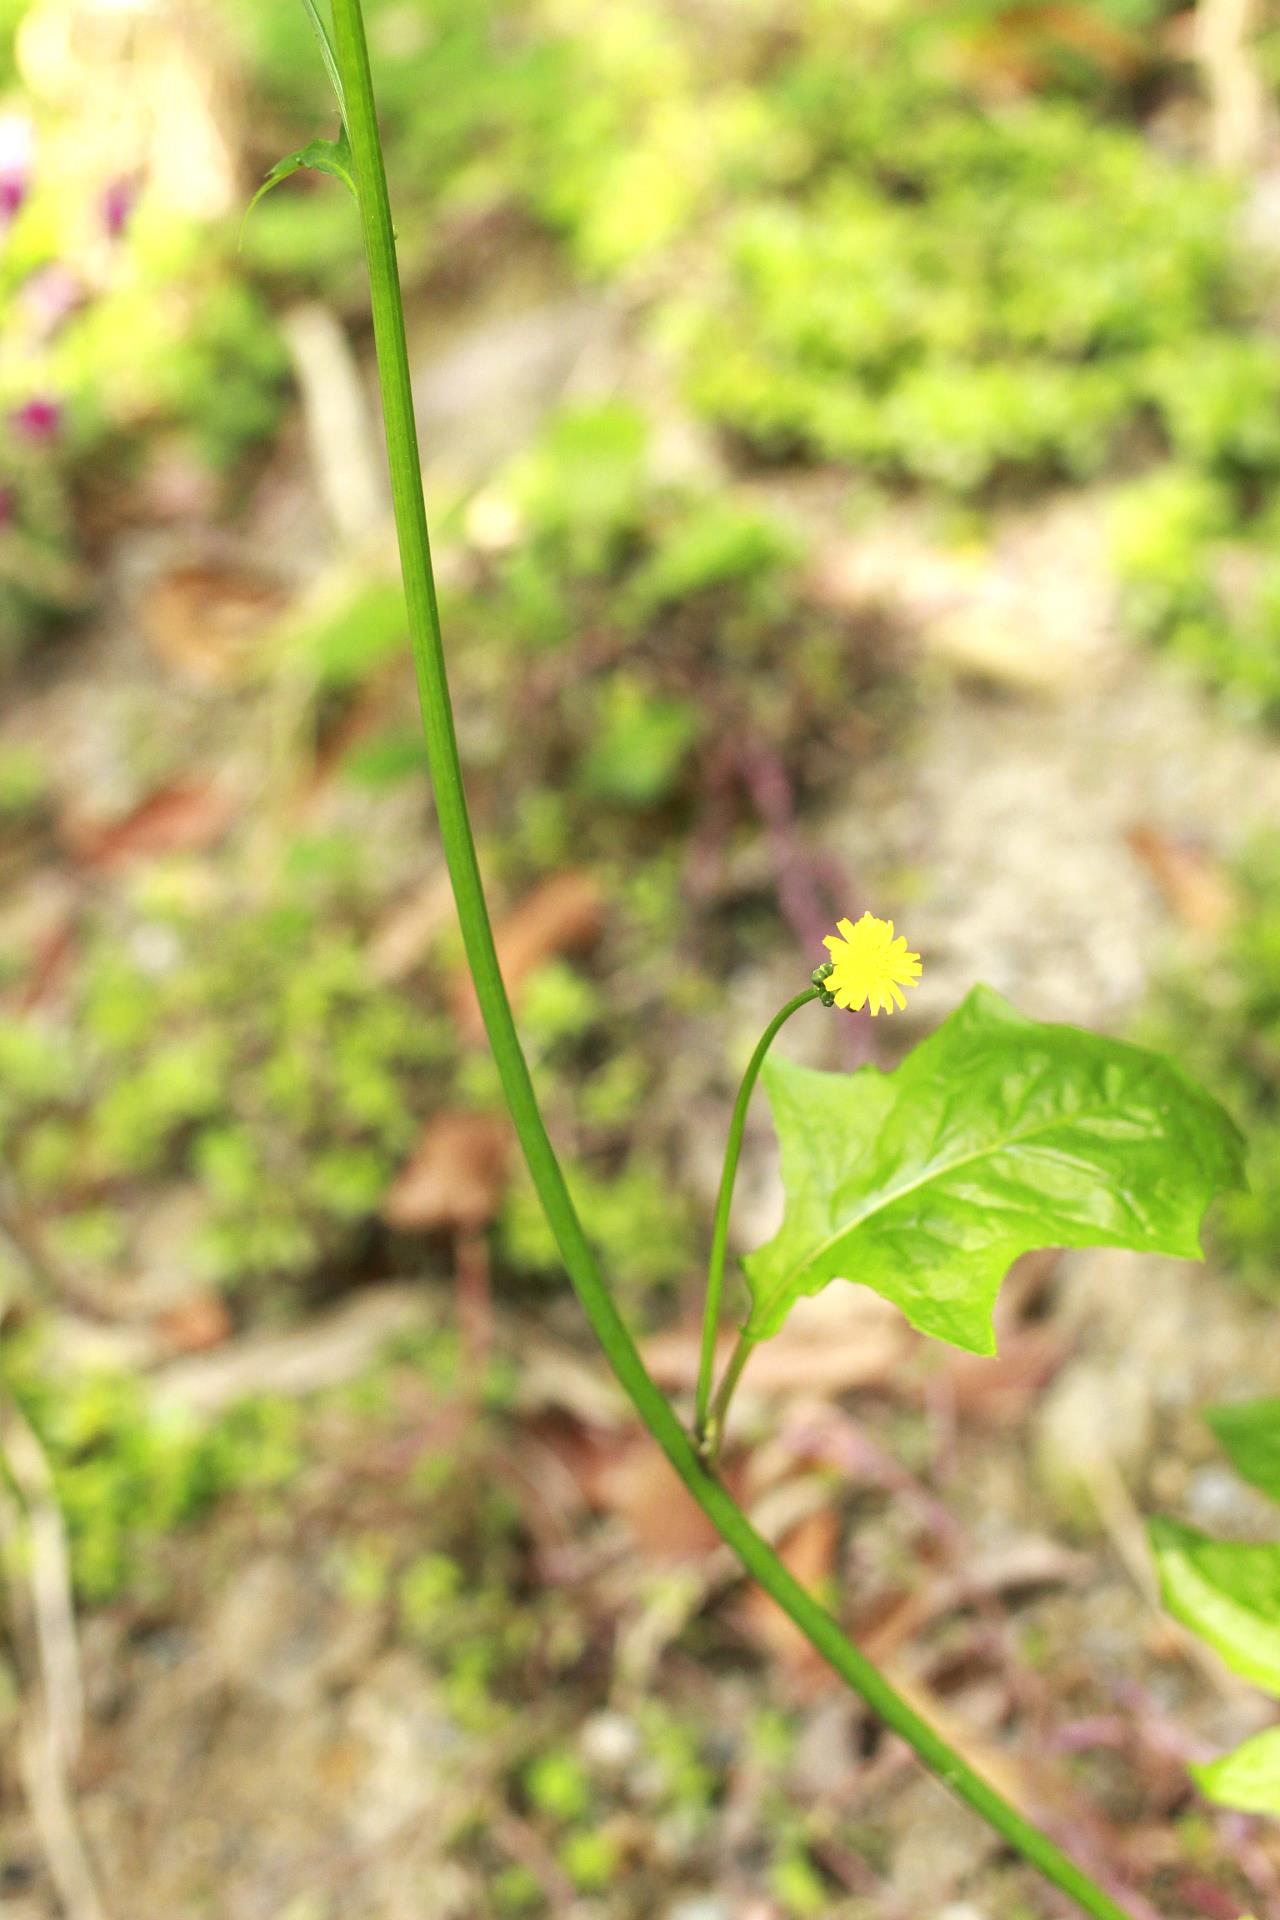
point(117, 205)
point(17, 147)
point(39, 418)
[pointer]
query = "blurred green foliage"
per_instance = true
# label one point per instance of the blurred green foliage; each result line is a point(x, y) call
point(939, 307)
point(249, 1053)
point(224, 1041)
point(126, 1476)
point(1198, 577)
point(1222, 1013)
point(931, 246)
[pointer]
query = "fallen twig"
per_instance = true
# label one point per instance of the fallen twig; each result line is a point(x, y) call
point(33, 1549)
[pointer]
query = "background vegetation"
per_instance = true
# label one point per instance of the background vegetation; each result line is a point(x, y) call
point(853, 438)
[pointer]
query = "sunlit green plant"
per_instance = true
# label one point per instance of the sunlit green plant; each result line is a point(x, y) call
point(247, 1056)
point(929, 300)
point(1228, 1592)
point(996, 1135)
point(1221, 1011)
point(127, 1475)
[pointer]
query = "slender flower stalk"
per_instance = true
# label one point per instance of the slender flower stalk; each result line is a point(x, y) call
point(708, 1432)
point(733, 1526)
point(869, 967)
point(719, 1414)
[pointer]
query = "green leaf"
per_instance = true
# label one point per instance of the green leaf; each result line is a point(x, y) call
point(1250, 1432)
point(327, 54)
point(322, 156)
point(1228, 1592)
point(1249, 1778)
point(996, 1135)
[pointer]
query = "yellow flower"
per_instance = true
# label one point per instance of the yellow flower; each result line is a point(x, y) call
point(869, 967)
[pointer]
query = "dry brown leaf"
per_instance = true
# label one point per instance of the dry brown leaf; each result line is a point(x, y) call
point(842, 1338)
point(562, 915)
point(196, 1324)
point(635, 1481)
point(1022, 45)
point(326, 1351)
point(454, 1178)
point(38, 928)
point(808, 1551)
point(206, 620)
point(187, 816)
point(993, 1762)
point(174, 484)
point(407, 931)
point(1192, 883)
point(1022, 1566)
point(998, 1389)
point(623, 1473)
point(50, 965)
point(1178, 36)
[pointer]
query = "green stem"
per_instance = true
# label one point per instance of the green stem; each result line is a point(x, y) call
point(720, 1406)
point(754, 1552)
point(708, 1433)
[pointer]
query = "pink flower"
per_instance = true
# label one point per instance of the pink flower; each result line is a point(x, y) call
point(39, 418)
point(117, 205)
point(17, 150)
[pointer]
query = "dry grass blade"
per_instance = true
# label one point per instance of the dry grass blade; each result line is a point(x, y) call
point(49, 1578)
point(54, 1815)
point(33, 1548)
point(332, 1348)
point(343, 451)
point(454, 1179)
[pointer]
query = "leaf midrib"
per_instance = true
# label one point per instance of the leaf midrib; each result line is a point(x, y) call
point(936, 1171)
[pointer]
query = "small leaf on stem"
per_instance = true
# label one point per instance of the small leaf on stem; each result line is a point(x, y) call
point(1248, 1779)
point(321, 156)
point(1227, 1591)
point(1250, 1432)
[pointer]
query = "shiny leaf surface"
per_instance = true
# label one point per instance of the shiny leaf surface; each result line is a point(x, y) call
point(1249, 1778)
point(996, 1135)
point(1228, 1592)
point(1250, 1432)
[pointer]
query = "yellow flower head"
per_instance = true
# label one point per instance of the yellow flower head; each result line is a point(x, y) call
point(869, 967)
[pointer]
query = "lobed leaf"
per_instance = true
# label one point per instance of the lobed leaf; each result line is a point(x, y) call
point(996, 1135)
point(1249, 1778)
point(1250, 1432)
point(1226, 1591)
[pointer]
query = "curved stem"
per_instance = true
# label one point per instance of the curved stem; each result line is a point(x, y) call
point(705, 1428)
point(754, 1552)
point(724, 1394)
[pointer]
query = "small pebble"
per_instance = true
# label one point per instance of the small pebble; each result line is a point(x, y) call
point(701, 1906)
point(610, 1741)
